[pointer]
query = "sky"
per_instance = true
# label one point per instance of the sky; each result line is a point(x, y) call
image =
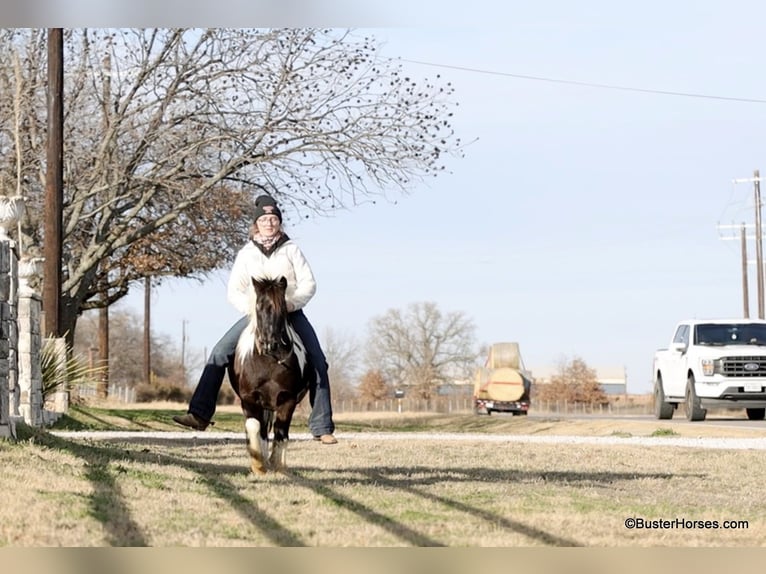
point(583, 221)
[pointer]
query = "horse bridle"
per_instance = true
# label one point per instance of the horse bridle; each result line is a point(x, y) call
point(268, 350)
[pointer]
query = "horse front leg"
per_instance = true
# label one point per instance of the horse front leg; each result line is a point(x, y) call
point(283, 418)
point(257, 447)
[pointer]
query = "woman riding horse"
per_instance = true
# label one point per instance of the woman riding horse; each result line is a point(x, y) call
point(269, 253)
point(270, 376)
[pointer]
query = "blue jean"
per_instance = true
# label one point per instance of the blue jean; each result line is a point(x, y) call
point(204, 399)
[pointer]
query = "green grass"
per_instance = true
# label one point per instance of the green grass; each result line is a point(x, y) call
point(229, 419)
point(91, 418)
point(87, 418)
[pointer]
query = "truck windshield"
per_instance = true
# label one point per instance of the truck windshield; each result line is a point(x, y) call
point(730, 334)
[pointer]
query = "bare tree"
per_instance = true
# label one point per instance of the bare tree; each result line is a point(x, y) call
point(169, 133)
point(575, 383)
point(343, 357)
point(126, 348)
point(422, 347)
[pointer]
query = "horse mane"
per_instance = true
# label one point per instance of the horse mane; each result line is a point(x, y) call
point(272, 289)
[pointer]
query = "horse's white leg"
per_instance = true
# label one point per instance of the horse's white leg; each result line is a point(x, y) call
point(279, 455)
point(255, 446)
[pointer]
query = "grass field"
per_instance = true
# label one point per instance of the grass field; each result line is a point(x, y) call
point(376, 492)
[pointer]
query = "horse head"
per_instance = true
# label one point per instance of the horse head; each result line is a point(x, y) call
point(270, 316)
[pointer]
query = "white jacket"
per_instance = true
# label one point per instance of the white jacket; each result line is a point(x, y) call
point(287, 261)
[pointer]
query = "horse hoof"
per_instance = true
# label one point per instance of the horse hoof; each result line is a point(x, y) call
point(258, 469)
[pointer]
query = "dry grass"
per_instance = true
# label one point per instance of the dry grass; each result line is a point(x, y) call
point(372, 492)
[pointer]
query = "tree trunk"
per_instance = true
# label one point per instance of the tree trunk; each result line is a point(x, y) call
point(68, 318)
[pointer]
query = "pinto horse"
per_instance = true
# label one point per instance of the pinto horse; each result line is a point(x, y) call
point(270, 375)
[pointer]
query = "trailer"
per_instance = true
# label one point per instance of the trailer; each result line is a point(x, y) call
point(503, 384)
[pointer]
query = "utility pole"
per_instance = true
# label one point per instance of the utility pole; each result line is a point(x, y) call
point(103, 312)
point(54, 186)
point(147, 330)
point(758, 241)
point(625, 376)
point(758, 237)
point(745, 292)
point(743, 238)
point(183, 345)
point(102, 387)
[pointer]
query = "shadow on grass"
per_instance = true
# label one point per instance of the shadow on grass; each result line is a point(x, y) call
point(409, 479)
point(108, 501)
point(94, 418)
point(110, 419)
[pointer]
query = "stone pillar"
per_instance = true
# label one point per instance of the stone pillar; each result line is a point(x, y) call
point(11, 209)
point(8, 365)
point(30, 380)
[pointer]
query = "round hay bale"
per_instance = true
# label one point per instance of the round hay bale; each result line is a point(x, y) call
point(504, 355)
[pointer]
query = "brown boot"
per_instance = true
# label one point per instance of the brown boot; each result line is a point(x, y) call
point(326, 439)
point(192, 421)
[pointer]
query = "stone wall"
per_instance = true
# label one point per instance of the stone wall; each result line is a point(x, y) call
point(21, 396)
point(8, 335)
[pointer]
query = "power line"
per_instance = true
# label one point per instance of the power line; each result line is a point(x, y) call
point(587, 84)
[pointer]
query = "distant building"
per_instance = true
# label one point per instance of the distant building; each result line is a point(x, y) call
point(613, 380)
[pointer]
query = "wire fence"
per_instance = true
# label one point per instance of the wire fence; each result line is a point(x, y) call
point(625, 405)
point(633, 406)
point(116, 393)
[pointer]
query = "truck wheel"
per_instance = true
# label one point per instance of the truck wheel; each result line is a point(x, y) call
point(479, 411)
point(694, 412)
point(756, 414)
point(662, 409)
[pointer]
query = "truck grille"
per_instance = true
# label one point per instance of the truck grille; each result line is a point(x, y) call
point(744, 366)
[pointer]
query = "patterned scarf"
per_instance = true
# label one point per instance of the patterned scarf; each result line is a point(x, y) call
point(267, 243)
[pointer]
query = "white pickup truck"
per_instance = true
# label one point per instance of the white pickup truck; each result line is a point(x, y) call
point(716, 363)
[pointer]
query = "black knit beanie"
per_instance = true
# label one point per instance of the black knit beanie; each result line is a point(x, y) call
point(266, 205)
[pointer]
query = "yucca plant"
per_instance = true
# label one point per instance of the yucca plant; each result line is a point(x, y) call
point(62, 370)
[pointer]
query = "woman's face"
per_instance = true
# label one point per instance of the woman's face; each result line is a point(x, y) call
point(268, 225)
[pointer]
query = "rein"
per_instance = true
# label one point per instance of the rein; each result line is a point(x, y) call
point(284, 342)
point(288, 342)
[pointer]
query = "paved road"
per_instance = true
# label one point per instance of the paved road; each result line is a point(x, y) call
point(728, 421)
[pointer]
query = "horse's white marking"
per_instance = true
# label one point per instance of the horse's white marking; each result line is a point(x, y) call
point(245, 344)
point(246, 341)
point(298, 349)
point(252, 429)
